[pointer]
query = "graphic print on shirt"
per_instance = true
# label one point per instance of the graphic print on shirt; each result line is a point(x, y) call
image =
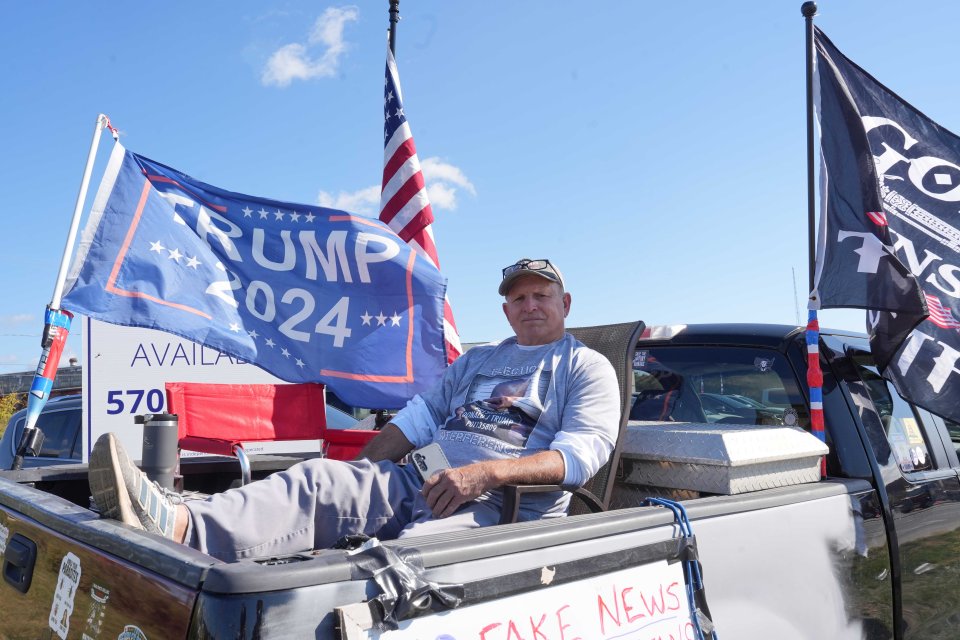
point(501, 410)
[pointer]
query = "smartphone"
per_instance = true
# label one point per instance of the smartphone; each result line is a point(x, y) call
point(429, 460)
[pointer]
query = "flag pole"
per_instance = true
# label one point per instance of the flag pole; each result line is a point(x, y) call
point(102, 123)
point(394, 19)
point(809, 10)
point(812, 334)
point(56, 321)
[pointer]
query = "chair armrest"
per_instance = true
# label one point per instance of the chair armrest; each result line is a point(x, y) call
point(513, 492)
point(217, 446)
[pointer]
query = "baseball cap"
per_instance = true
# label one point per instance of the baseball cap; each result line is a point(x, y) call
point(525, 266)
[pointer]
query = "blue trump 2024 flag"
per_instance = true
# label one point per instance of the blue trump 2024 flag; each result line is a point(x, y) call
point(309, 294)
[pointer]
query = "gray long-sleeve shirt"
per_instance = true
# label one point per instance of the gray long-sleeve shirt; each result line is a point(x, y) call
point(507, 401)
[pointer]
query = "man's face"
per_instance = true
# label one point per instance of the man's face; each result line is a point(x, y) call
point(535, 309)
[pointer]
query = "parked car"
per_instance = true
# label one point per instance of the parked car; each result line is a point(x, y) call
point(60, 422)
point(719, 407)
point(748, 401)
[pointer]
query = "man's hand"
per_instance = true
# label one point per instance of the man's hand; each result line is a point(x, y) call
point(449, 489)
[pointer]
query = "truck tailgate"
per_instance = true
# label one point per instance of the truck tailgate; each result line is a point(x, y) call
point(766, 554)
point(68, 573)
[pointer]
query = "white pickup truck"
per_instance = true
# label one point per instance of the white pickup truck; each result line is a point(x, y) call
point(871, 551)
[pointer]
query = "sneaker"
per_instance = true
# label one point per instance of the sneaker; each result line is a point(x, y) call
point(123, 492)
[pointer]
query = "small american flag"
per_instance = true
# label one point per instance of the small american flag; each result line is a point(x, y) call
point(940, 315)
point(404, 205)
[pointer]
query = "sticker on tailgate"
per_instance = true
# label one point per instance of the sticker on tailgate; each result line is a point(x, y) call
point(67, 583)
point(98, 609)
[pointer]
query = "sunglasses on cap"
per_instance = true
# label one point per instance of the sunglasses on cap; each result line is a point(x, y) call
point(531, 265)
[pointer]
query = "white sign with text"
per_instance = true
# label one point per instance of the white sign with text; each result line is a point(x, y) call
point(124, 372)
point(647, 602)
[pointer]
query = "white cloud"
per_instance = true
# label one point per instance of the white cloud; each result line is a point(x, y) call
point(443, 182)
point(442, 196)
point(286, 64)
point(436, 170)
point(299, 62)
point(364, 201)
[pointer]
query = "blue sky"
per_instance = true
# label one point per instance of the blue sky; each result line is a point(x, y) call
point(655, 151)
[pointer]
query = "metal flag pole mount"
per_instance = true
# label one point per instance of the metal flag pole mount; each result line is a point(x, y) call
point(394, 19)
point(56, 321)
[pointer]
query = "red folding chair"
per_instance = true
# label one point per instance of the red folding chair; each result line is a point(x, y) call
point(219, 418)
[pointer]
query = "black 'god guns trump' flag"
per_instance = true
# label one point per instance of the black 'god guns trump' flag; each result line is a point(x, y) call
point(889, 237)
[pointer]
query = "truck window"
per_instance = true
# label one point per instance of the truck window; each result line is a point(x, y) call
point(60, 430)
point(954, 429)
point(738, 385)
point(904, 433)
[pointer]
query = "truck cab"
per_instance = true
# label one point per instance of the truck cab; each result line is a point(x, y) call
point(909, 454)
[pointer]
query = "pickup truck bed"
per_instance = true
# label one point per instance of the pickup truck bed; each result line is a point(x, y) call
point(747, 536)
point(870, 552)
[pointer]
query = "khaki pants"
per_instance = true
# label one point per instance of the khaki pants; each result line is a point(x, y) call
point(314, 503)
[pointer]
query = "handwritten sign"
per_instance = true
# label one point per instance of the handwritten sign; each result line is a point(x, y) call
point(648, 602)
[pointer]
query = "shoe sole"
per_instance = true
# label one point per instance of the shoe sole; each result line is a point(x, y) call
point(108, 487)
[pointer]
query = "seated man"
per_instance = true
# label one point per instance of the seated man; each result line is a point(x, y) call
point(538, 408)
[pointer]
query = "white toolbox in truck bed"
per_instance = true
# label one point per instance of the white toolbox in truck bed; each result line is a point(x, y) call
point(719, 458)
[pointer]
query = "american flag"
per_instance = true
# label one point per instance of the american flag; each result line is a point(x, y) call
point(940, 315)
point(878, 218)
point(404, 204)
